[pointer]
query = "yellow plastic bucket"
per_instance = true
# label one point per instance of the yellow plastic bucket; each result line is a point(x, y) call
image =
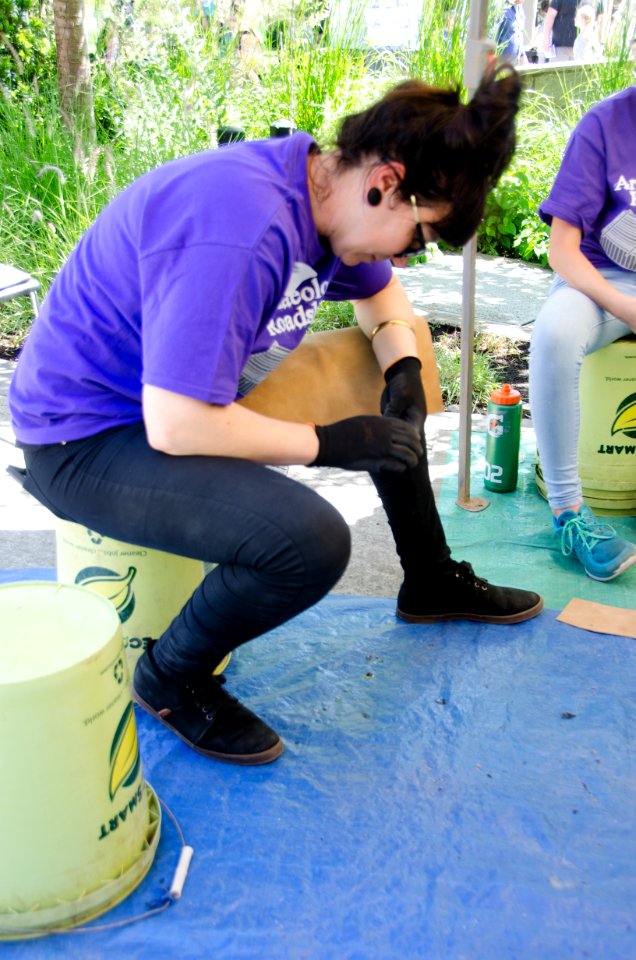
point(604, 503)
point(147, 587)
point(78, 824)
point(607, 443)
point(607, 439)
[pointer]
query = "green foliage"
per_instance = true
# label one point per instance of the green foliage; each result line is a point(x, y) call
point(323, 81)
point(164, 81)
point(439, 58)
point(165, 89)
point(26, 51)
point(511, 225)
point(314, 71)
point(50, 192)
point(333, 315)
point(447, 349)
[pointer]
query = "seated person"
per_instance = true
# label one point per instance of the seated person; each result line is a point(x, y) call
point(184, 294)
point(592, 302)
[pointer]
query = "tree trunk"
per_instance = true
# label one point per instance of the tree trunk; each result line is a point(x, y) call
point(73, 68)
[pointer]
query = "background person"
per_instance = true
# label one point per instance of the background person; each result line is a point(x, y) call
point(510, 34)
point(592, 302)
point(187, 290)
point(587, 47)
point(536, 40)
point(559, 31)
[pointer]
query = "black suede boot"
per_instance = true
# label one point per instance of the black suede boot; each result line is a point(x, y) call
point(409, 504)
point(435, 587)
point(457, 594)
point(204, 715)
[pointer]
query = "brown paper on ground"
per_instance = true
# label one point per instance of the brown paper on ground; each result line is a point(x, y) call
point(600, 618)
point(333, 374)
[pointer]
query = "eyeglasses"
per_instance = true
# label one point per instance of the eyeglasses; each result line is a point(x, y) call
point(418, 246)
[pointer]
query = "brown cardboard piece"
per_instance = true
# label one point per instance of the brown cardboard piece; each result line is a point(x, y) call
point(332, 375)
point(600, 618)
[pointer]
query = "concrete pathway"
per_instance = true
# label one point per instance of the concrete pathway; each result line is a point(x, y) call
point(508, 293)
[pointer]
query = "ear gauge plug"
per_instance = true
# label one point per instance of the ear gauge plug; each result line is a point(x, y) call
point(374, 197)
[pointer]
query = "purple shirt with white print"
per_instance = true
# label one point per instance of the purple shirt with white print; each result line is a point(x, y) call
point(595, 188)
point(198, 278)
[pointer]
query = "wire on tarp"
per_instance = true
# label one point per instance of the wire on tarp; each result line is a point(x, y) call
point(155, 907)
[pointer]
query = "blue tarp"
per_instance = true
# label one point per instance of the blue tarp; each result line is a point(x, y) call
point(447, 791)
point(513, 542)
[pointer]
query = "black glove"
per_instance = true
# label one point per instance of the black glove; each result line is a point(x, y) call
point(368, 443)
point(403, 397)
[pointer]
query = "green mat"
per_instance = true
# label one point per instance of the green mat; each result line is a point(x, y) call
point(512, 542)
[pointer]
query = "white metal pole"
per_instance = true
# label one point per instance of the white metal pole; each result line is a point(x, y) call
point(475, 59)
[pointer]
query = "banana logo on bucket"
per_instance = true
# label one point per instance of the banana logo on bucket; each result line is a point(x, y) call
point(625, 420)
point(124, 753)
point(113, 586)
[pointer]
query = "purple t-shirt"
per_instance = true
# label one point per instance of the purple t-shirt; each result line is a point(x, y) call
point(198, 278)
point(595, 188)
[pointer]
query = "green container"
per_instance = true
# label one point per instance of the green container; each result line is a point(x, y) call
point(78, 825)
point(503, 435)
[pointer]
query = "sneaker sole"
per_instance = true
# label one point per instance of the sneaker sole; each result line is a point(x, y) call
point(631, 560)
point(474, 617)
point(243, 759)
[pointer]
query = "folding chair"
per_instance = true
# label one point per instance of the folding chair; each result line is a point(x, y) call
point(17, 283)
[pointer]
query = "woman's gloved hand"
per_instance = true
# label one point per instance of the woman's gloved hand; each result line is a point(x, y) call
point(368, 443)
point(403, 397)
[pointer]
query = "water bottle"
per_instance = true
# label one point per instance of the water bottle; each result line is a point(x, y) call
point(503, 433)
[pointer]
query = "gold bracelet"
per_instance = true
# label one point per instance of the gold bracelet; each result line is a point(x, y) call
point(391, 323)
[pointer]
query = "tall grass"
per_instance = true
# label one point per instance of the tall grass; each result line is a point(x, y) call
point(160, 101)
point(172, 86)
point(49, 194)
point(320, 74)
point(447, 349)
point(439, 58)
point(175, 82)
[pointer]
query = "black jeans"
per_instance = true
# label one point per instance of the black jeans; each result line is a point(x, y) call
point(279, 546)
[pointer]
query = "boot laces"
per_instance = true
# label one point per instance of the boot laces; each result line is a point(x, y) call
point(201, 692)
point(464, 571)
point(589, 533)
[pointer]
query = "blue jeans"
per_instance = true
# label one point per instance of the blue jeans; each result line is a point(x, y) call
point(568, 327)
point(279, 546)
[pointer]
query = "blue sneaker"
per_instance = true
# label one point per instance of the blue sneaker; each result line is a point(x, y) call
point(604, 555)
